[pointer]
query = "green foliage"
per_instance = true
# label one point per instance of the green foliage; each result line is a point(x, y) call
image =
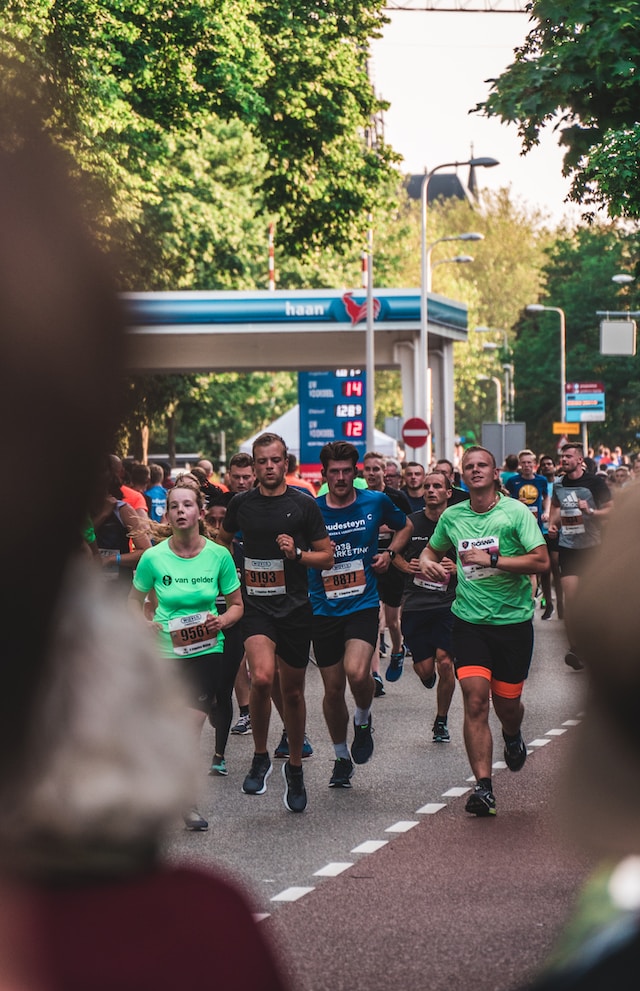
point(578, 68)
point(578, 280)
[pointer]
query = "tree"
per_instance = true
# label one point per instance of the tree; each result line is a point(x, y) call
point(580, 61)
point(578, 280)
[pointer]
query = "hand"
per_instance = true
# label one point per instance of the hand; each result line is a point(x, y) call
point(287, 545)
point(380, 563)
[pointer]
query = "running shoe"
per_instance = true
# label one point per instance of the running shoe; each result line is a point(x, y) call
point(440, 732)
point(243, 726)
point(255, 782)
point(379, 689)
point(218, 766)
point(430, 681)
point(194, 822)
point(481, 802)
point(282, 750)
point(515, 753)
point(295, 795)
point(548, 612)
point(394, 670)
point(383, 644)
point(343, 771)
point(572, 660)
point(362, 746)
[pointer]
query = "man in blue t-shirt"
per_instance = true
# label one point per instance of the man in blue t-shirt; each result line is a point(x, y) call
point(345, 601)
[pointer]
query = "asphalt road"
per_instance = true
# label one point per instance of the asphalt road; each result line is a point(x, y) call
point(429, 895)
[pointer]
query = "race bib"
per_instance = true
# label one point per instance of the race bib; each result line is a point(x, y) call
point(112, 570)
point(571, 521)
point(189, 634)
point(264, 577)
point(429, 585)
point(476, 571)
point(346, 578)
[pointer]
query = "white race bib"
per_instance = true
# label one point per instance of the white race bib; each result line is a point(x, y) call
point(346, 578)
point(189, 634)
point(476, 571)
point(264, 577)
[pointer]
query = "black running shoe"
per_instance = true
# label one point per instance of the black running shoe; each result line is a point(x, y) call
point(572, 660)
point(440, 732)
point(362, 746)
point(255, 782)
point(548, 612)
point(430, 681)
point(282, 750)
point(295, 796)
point(379, 689)
point(481, 802)
point(343, 771)
point(515, 753)
point(195, 822)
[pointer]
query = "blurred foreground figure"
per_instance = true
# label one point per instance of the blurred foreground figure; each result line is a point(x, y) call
point(600, 948)
point(95, 756)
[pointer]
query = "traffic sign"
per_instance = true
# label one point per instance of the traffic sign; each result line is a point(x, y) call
point(415, 432)
point(566, 428)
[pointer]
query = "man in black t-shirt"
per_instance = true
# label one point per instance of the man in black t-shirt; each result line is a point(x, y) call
point(283, 534)
point(580, 502)
point(427, 620)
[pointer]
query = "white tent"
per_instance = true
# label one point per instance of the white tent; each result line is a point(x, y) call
point(288, 427)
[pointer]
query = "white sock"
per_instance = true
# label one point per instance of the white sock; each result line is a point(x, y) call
point(341, 750)
point(361, 716)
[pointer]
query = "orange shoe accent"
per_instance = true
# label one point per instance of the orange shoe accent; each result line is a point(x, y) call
point(473, 671)
point(507, 691)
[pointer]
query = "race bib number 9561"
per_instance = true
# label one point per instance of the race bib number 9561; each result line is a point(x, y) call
point(190, 634)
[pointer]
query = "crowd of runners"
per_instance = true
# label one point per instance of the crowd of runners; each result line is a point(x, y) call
point(246, 579)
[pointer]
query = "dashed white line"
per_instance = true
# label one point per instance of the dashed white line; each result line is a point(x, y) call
point(571, 722)
point(556, 732)
point(369, 846)
point(455, 792)
point(403, 826)
point(539, 742)
point(291, 894)
point(431, 808)
point(332, 870)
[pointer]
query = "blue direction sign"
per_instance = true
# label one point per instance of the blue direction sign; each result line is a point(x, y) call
point(332, 407)
point(584, 402)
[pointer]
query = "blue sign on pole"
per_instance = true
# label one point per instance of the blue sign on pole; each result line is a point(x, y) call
point(584, 402)
point(332, 407)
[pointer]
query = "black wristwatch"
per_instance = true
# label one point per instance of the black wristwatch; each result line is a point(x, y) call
point(391, 553)
point(298, 554)
point(493, 559)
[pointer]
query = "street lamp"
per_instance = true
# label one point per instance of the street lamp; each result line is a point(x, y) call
point(423, 397)
point(507, 366)
point(498, 384)
point(622, 279)
point(538, 308)
point(459, 260)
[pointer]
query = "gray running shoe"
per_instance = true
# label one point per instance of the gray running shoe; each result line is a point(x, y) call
point(243, 726)
point(195, 822)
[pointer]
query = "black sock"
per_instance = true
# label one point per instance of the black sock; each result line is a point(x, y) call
point(485, 783)
point(244, 710)
point(511, 739)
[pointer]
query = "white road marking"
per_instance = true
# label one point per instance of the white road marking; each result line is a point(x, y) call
point(332, 870)
point(455, 792)
point(369, 846)
point(539, 743)
point(430, 808)
point(291, 894)
point(403, 826)
point(555, 732)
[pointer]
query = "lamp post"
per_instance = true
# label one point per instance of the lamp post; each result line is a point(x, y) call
point(498, 384)
point(423, 397)
point(538, 308)
point(507, 367)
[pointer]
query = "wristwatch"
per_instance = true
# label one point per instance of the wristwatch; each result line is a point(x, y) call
point(298, 554)
point(493, 559)
point(391, 553)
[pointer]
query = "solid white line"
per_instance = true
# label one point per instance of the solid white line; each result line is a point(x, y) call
point(291, 894)
point(369, 846)
point(403, 826)
point(332, 870)
point(431, 808)
point(455, 792)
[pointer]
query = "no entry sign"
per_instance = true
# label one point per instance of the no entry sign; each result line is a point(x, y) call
point(415, 432)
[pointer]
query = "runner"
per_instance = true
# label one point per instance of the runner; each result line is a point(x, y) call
point(345, 602)
point(498, 545)
point(427, 619)
point(283, 534)
point(580, 503)
point(186, 572)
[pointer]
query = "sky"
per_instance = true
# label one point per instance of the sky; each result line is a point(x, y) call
point(432, 66)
